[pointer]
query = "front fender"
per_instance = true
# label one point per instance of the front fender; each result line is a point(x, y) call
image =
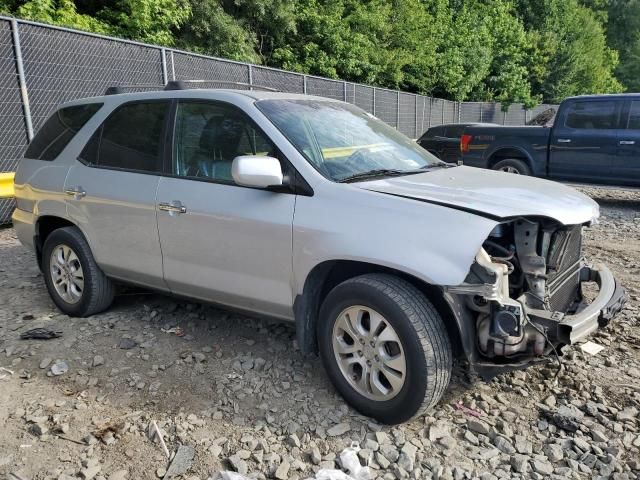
point(433, 243)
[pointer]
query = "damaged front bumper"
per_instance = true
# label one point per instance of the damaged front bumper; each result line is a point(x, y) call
point(557, 328)
point(570, 329)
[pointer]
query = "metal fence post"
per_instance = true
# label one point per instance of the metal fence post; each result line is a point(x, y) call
point(424, 104)
point(398, 110)
point(344, 90)
point(504, 116)
point(415, 116)
point(304, 84)
point(24, 93)
point(430, 109)
point(443, 104)
point(163, 57)
point(459, 111)
point(374, 102)
point(173, 66)
point(250, 76)
point(481, 111)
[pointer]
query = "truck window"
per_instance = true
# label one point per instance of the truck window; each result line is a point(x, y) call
point(590, 115)
point(633, 122)
point(455, 131)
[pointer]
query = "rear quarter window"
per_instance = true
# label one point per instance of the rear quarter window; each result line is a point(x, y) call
point(58, 131)
point(432, 132)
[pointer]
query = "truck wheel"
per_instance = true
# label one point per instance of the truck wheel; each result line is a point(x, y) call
point(75, 282)
point(385, 347)
point(513, 165)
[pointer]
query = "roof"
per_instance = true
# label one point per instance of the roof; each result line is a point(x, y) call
point(604, 96)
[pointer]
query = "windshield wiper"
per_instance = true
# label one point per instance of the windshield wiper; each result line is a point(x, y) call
point(437, 165)
point(392, 172)
point(379, 172)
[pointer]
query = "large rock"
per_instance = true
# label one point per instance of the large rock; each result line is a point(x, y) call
point(339, 429)
point(478, 426)
point(407, 457)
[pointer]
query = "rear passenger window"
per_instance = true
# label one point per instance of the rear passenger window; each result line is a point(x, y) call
point(434, 132)
point(131, 138)
point(58, 131)
point(633, 122)
point(455, 131)
point(601, 115)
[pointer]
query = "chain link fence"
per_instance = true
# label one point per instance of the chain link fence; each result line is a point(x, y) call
point(42, 66)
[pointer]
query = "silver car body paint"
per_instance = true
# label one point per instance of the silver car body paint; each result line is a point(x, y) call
point(255, 248)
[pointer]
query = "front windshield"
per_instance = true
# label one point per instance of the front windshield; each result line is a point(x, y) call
point(344, 142)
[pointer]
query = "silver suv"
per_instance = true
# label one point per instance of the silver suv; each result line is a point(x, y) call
point(389, 262)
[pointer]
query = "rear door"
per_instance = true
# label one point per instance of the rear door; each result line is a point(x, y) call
point(584, 140)
point(626, 166)
point(111, 192)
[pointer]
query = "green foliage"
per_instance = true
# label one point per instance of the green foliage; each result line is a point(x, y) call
point(151, 21)
point(623, 33)
point(487, 50)
point(569, 50)
point(60, 12)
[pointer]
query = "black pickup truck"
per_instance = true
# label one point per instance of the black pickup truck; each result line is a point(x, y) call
point(593, 139)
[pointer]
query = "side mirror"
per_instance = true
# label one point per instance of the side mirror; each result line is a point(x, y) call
point(256, 171)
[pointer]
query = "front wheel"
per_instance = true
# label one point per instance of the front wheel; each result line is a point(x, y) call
point(513, 165)
point(385, 347)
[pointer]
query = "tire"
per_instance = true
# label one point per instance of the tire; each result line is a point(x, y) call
point(421, 335)
point(97, 290)
point(513, 165)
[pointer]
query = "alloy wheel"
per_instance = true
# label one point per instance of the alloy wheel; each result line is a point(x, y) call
point(369, 353)
point(66, 273)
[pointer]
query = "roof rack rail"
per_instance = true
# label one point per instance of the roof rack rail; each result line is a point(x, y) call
point(184, 84)
point(118, 89)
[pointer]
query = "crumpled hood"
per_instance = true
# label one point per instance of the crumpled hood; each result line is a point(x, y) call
point(490, 193)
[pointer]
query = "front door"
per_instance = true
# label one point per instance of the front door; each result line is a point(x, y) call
point(222, 242)
point(584, 141)
point(111, 192)
point(626, 166)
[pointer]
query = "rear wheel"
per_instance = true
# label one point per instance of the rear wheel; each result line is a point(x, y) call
point(513, 165)
point(75, 282)
point(385, 347)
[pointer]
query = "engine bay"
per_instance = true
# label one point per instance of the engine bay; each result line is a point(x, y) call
point(532, 264)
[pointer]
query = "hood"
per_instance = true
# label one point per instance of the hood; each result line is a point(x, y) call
point(492, 194)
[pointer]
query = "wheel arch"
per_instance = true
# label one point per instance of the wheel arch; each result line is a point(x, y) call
point(45, 225)
point(326, 275)
point(504, 153)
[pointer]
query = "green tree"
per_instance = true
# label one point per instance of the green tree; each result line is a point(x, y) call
point(623, 33)
point(570, 55)
point(60, 12)
point(212, 31)
point(151, 21)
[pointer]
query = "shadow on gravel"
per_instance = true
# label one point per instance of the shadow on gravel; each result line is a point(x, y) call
point(618, 203)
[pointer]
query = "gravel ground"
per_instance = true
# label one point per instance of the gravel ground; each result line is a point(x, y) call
point(238, 395)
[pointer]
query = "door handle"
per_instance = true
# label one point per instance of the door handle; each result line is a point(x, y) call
point(76, 192)
point(564, 140)
point(174, 207)
point(627, 142)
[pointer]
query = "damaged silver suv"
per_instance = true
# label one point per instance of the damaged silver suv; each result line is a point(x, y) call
point(389, 262)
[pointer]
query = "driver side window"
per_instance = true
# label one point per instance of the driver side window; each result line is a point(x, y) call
point(208, 136)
